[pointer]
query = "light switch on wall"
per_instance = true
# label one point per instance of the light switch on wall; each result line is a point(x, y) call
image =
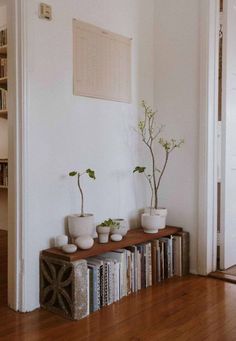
point(45, 11)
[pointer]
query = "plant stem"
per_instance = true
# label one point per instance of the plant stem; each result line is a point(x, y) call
point(154, 177)
point(151, 186)
point(160, 177)
point(82, 196)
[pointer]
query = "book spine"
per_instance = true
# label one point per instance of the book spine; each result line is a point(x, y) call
point(88, 293)
point(105, 286)
point(185, 253)
point(158, 263)
point(91, 291)
point(154, 262)
point(101, 286)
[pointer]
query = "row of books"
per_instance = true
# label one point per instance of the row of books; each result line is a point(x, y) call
point(3, 99)
point(3, 174)
point(3, 67)
point(3, 37)
point(119, 273)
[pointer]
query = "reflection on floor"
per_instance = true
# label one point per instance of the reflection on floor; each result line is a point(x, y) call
point(230, 271)
point(3, 267)
point(228, 275)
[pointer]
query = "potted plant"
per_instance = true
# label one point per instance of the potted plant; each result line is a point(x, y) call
point(120, 227)
point(154, 217)
point(81, 224)
point(104, 229)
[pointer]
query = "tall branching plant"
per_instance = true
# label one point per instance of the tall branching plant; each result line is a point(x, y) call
point(91, 174)
point(150, 134)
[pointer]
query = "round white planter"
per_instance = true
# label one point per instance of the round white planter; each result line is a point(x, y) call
point(81, 226)
point(122, 229)
point(161, 212)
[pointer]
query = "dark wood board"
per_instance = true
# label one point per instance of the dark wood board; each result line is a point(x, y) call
point(133, 237)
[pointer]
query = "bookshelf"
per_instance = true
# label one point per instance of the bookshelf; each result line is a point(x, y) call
point(65, 279)
point(3, 74)
point(3, 173)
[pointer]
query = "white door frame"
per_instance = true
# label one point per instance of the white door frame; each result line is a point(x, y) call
point(207, 231)
point(17, 121)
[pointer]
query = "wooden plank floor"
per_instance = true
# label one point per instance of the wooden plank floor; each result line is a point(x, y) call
point(190, 308)
point(3, 267)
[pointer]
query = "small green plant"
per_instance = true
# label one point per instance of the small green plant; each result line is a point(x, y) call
point(109, 222)
point(150, 133)
point(91, 174)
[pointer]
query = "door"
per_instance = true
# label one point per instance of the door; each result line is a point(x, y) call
point(228, 198)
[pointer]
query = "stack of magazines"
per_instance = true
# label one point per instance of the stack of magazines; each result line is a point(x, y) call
point(116, 274)
point(3, 99)
point(3, 37)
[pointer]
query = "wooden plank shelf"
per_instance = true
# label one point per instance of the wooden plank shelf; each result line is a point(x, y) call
point(3, 187)
point(133, 237)
point(3, 49)
point(3, 160)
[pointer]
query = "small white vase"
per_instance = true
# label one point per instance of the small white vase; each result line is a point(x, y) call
point(81, 226)
point(103, 234)
point(161, 212)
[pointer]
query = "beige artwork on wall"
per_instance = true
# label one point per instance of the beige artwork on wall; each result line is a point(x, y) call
point(102, 63)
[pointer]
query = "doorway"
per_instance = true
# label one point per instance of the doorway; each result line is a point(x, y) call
point(3, 155)
point(226, 143)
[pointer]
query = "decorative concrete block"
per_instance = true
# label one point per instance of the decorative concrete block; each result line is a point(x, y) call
point(63, 287)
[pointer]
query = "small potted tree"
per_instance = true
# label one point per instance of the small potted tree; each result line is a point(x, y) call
point(154, 217)
point(81, 224)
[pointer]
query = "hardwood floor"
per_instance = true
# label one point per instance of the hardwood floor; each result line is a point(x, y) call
point(190, 308)
point(3, 267)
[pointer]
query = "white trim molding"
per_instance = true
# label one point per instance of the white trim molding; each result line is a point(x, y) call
point(18, 143)
point(207, 231)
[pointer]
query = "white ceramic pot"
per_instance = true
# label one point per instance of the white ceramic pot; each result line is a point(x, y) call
point(84, 242)
point(81, 226)
point(151, 223)
point(122, 229)
point(161, 212)
point(103, 234)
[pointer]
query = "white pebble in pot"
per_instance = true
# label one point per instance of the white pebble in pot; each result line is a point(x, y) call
point(116, 237)
point(84, 242)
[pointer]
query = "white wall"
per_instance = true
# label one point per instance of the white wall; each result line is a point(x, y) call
point(177, 98)
point(3, 141)
point(68, 132)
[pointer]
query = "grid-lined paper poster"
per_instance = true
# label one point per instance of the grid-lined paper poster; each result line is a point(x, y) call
point(102, 63)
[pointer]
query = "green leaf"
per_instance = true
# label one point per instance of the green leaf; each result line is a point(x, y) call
point(109, 222)
point(139, 169)
point(91, 173)
point(73, 173)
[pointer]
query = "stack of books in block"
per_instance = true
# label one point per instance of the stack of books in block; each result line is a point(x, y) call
point(3, 67)
point(119, 273)
point(3, 37)
point(3, 99)
point(3, 174)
